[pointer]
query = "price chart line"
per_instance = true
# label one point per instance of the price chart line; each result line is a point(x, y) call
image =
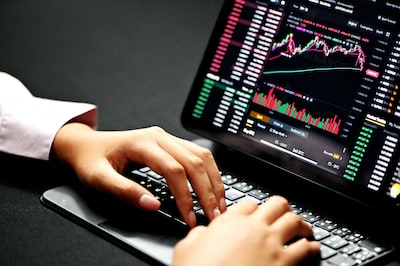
point(318, 45)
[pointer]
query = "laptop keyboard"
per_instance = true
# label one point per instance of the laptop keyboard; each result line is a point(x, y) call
point(340, 245)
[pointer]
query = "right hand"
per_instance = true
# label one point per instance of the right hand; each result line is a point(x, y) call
point(248, 234)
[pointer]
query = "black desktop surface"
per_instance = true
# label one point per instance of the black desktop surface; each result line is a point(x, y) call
point(135, 60)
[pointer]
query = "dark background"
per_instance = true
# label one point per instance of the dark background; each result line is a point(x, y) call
point(134, 59)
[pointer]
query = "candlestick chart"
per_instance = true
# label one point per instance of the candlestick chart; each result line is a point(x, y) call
point(270, 101)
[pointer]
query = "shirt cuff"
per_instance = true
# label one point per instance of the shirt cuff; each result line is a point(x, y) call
point(30, 131)
point(28, 124)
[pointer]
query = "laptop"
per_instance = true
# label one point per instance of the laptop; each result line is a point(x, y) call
point(295, 97)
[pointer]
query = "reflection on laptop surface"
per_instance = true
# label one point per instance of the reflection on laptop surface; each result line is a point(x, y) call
point(308, 88)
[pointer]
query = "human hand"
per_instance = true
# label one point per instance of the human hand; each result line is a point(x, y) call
point(99, 159)
point(248, 234)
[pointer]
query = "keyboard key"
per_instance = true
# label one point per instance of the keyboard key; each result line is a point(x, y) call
point(258, 194)
point(233, 194)
point(200, 212)
point(327, 252)
point(154, 175)
point(309, 217)
point(342, 231)
point(171, 208)
point(144, 169)
point(139, 173)
point(296, 209)
point(243, 187)
point(363, 256)
point(335, 242)
point(351, 249)
point(326, 224)
point(228, 203)
point(320, 233)
point(340, 260)
point(228, 179)
point(354, 237)
point(196, 204)
point(373, 246)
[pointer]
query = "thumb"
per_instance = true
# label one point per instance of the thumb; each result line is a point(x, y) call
point(135, 194)
point(110, 181)
point(148, 202)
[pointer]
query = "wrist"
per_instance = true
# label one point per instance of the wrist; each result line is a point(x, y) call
point(68, 140)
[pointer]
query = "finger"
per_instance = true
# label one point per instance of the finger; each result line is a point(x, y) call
point(144, 148)
point(302, 249)
point(272, 209)
point(197, 171)
point(212, 171)
point(105, 178)
point(195, 232)
point(166, 165)
point(243, 207)
point(291, 226)
point(191, 238)
point(162, 153)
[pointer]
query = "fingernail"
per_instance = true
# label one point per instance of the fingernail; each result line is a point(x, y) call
point(191, 219)
point(148, 202)
point(222, 204)
point(216, 212)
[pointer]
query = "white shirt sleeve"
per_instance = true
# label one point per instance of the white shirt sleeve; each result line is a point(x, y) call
point(28, 124)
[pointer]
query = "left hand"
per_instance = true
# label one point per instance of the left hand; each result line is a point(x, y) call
point(99, 159)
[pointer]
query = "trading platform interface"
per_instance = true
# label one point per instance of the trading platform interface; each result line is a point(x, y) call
point(315, 80)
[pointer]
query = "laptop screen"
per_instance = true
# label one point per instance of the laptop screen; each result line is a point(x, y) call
point(311, 86)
